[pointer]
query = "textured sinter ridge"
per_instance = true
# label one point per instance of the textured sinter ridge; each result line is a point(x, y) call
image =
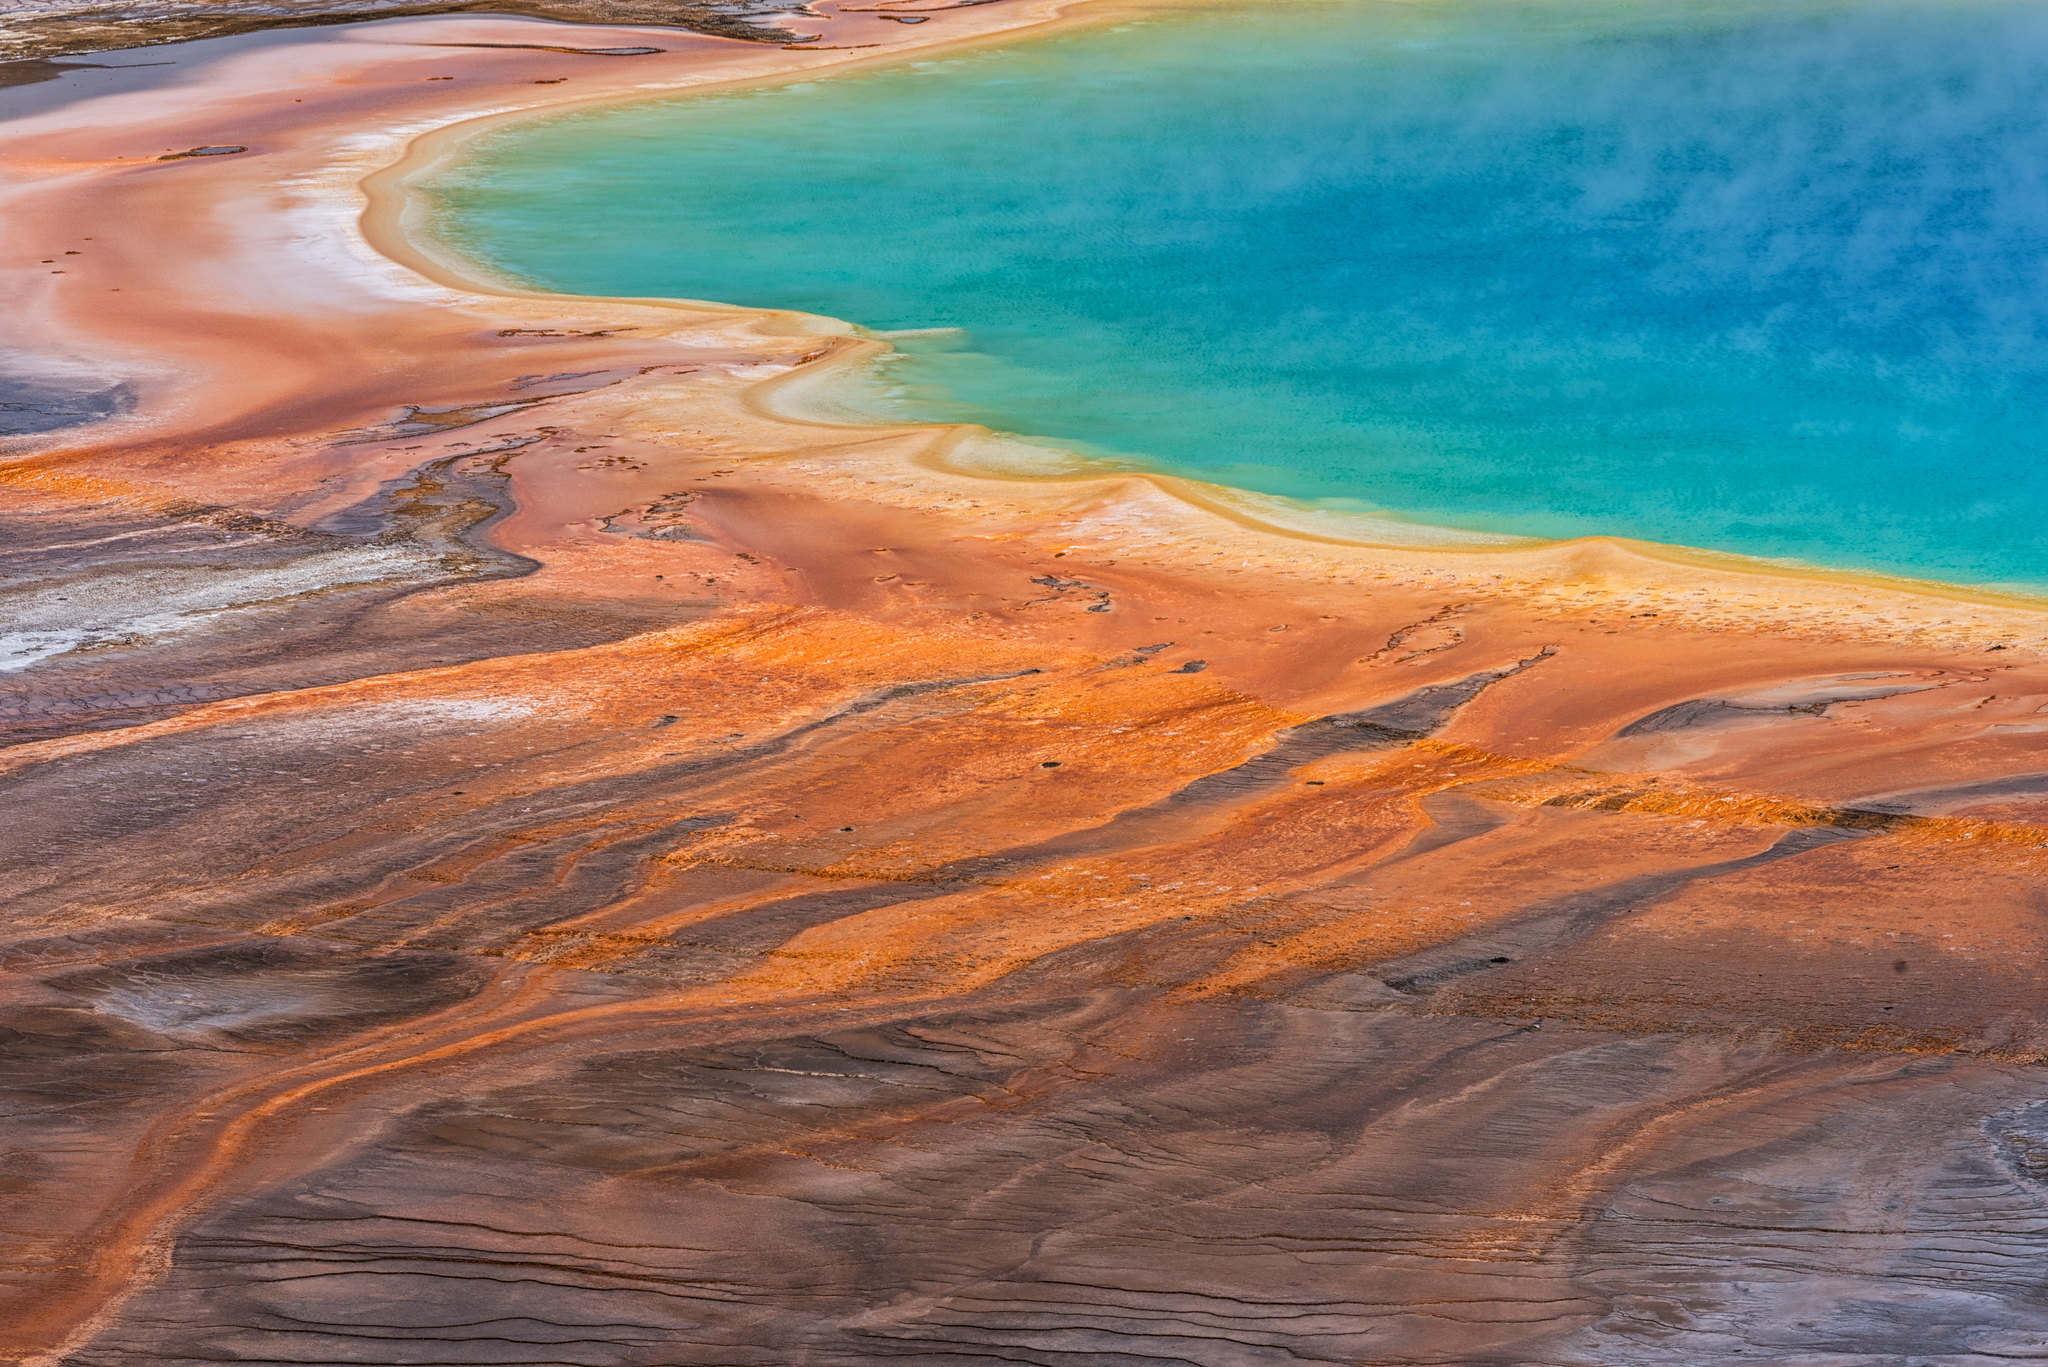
point(516, 854)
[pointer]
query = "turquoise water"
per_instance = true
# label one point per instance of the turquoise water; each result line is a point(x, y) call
point(1764, 278)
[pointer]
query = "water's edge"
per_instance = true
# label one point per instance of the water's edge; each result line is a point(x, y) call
point(399, 220)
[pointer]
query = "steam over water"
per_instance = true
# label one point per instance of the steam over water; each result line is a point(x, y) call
point(1768, 278)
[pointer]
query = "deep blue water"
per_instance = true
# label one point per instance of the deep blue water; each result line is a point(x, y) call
point(1764, 278)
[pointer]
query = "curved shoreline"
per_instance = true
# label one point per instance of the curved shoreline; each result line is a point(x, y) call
point(394, 222)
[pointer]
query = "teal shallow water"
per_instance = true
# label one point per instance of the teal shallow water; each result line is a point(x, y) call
point(1770, 279)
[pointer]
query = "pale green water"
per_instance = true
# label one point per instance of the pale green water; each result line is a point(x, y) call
point(1764, 278)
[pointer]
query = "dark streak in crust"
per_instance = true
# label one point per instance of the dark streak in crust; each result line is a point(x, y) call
point(574, 51)
point(1549, 927)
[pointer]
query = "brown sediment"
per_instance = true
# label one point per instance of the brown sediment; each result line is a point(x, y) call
point(69, 28)
point(522, 851)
